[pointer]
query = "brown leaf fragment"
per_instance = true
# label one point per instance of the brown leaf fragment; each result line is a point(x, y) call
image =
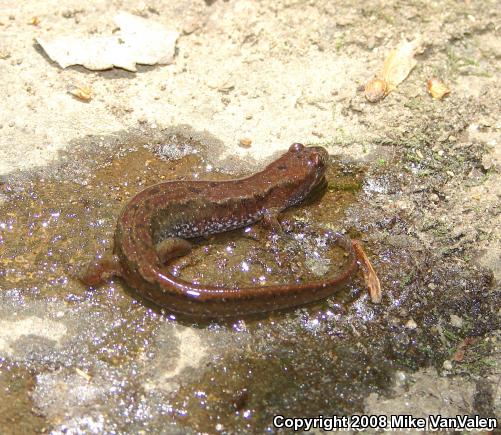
point(462, 347)
point(370, 276)
point(245, 142)
point(82, 93)
point(375, 90)
point(437, 88)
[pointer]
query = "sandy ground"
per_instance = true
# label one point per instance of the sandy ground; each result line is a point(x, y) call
point(274, 72)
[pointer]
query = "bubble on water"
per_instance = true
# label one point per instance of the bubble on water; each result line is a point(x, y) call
point(176, 150)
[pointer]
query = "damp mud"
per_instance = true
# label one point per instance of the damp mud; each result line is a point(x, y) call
point(100, 359)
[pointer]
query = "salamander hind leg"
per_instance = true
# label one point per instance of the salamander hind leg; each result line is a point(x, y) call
point(171, 248)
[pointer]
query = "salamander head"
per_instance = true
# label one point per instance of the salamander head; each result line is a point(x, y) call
point(316, 158)
point(308, 163)
point(298, 172)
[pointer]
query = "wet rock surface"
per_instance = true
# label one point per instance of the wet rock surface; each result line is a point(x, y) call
point(102, 359)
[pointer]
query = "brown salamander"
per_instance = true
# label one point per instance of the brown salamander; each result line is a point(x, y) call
point(155, 223)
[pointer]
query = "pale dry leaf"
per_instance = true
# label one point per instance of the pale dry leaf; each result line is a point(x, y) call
point(437, 88)
point(83, 93)
point(396, 68)
point(139, 41)
point(400, 62)
point(245, 142)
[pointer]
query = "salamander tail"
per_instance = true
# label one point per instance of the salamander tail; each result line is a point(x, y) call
point(100, 270)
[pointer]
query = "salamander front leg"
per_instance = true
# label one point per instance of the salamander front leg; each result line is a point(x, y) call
point(171, 248)
point(268, 225)
point(270, 221)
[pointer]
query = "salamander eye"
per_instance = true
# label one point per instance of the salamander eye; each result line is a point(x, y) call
point(296, 147)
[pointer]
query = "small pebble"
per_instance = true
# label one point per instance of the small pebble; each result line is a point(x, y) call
point(487, 162)
point(400, 378)
point(411, 324)
point(456, 321)
point(447, 365)
point(400, 375)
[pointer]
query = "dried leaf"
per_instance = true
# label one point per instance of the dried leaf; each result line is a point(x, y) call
point(245, 142)
point(375, 90)
point(139, 41)
point(83, 93)
point(462, 347)
point(370, 276)
point(400, 62)
point(397, 67)
point(437, 88)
